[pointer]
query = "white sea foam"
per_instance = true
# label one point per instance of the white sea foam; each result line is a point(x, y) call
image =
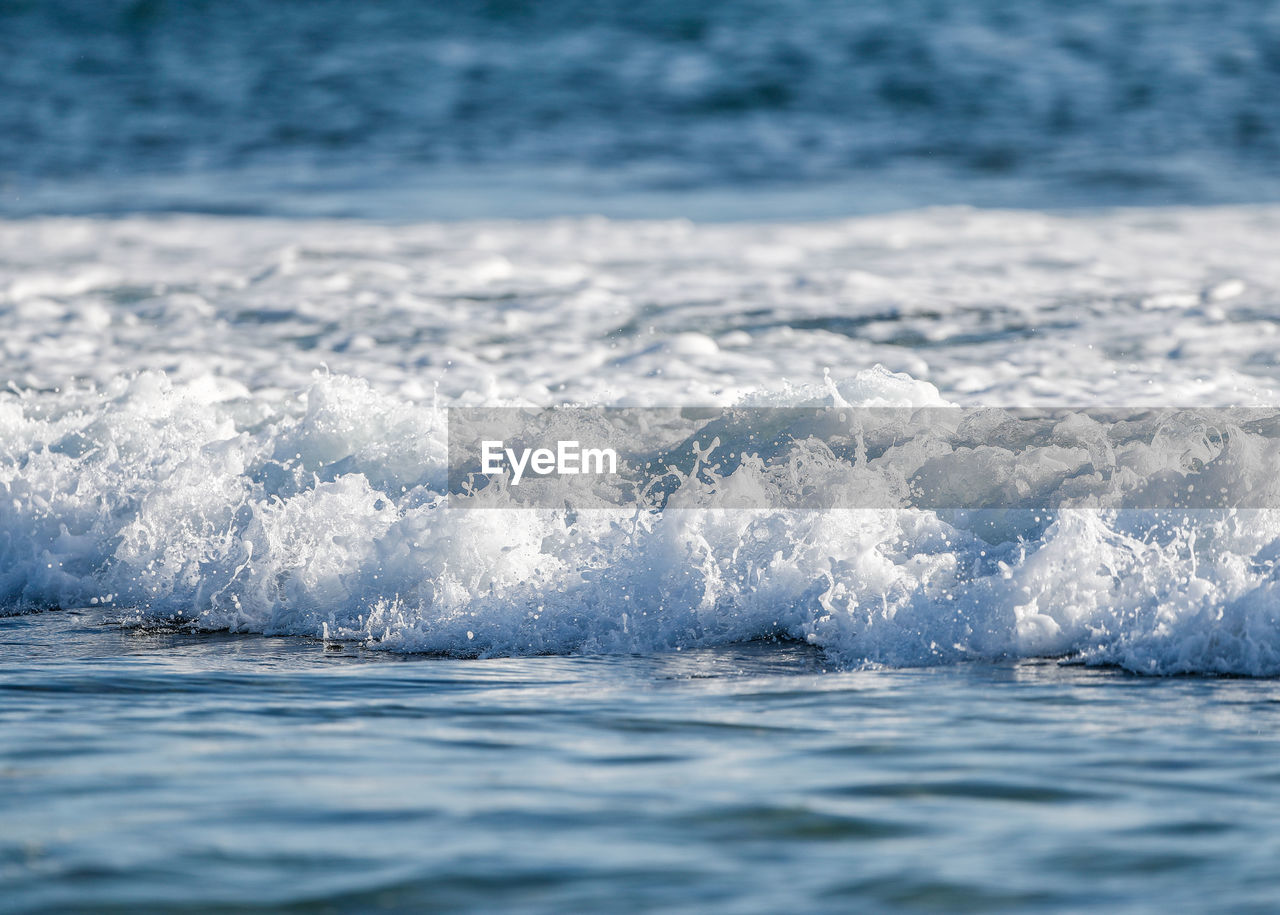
point(242, 424)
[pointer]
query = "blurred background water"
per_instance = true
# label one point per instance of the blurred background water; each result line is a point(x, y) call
point(409, 110)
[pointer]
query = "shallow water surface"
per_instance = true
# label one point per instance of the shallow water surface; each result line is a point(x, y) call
point(143, 770)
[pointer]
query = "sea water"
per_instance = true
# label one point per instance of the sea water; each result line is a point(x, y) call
point(239, 424)
point(147, 768)
point(252, 656)
point(267, 664)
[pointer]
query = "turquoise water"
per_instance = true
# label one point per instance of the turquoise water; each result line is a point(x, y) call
point(147, 770)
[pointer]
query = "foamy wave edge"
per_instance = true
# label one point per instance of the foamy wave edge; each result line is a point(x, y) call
point(320, 513)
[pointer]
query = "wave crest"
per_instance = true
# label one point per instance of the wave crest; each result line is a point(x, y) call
point(322, 514)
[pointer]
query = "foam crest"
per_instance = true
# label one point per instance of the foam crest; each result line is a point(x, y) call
point(322, 514)
point(168, 449)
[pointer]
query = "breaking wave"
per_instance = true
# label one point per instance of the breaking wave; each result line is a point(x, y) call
point(167, 451)
point(320, 513)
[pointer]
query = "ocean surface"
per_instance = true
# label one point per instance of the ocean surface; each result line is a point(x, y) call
point(253, 657)
point(153, 770)
point(514, 108)
point(257, 661)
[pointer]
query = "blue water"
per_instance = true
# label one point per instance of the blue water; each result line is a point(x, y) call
point(396, 108)
point(152, 771)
